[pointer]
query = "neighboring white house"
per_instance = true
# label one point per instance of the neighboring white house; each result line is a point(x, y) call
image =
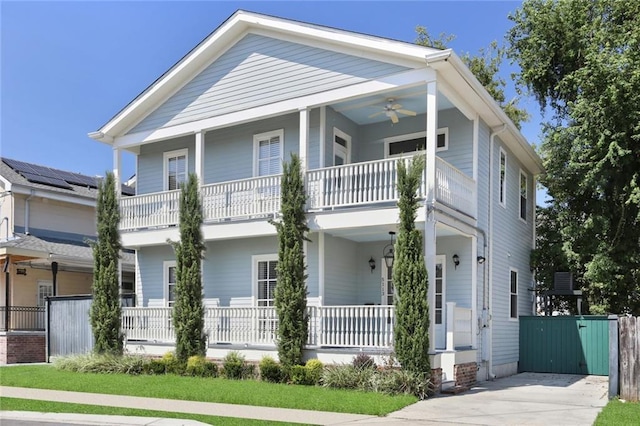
point(351, 106)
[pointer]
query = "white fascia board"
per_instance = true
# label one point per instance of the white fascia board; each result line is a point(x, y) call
point(50, 195)
point(490, 111)
point(404, 79)
point(18, 251)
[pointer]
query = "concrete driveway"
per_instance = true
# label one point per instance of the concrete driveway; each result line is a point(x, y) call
point(523, 399)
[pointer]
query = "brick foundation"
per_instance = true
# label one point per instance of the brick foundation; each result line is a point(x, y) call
point(436, 379)
point(465, 374)
point(22, 347)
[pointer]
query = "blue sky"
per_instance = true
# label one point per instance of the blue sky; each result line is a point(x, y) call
point(68, 67)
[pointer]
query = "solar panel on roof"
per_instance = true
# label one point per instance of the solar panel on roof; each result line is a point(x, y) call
point(19, 166)
point(45, 180)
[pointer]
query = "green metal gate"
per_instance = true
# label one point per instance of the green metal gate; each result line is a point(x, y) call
point(564, 344)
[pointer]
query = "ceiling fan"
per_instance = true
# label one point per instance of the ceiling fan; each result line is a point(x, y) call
point(391, 110)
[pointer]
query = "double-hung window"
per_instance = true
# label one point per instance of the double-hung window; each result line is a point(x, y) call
point(523, 195)
point(503, 178)
point(397, 146)
point(268, 153)
point(45, 289)
point(513, 294)
point(175, 169)
point(170, 283)
point(266, 278)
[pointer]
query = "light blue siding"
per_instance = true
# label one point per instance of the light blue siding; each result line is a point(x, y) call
point(460, 151)
point(151, 162)
point(150, 279)
point(341, 277)
point(369, 284)
point(312, 266)
point(260, 70)
point(458, 280)
point(339, 121)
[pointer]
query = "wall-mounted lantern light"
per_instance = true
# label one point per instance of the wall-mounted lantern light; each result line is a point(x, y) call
point(387, 252)
point(372, 264)
point(456, 261)
point(481, 260)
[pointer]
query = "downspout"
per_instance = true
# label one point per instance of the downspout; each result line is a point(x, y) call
point(27, 211)
point(489, 283)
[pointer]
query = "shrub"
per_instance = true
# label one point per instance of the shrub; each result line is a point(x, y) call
point(363, 361)
point(173, 364)
point(270, 370)
point(197, 365)
point(234, 366)
point(314, 370)
point(395, 382)
point(347, 377)
point(299, 375)
point(155, 366)
point(105, 363)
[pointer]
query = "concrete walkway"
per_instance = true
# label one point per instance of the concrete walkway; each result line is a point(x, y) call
point(523, 399)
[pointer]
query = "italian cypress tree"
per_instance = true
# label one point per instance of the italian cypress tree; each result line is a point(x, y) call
point(106, 310)
point(188, 309)
point(410, 276)
point(291, 290)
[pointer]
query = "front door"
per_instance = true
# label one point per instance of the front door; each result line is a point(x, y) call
point(341, 147)
point(440, 311)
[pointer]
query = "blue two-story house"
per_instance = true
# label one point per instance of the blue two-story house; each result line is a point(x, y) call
point(351, 106)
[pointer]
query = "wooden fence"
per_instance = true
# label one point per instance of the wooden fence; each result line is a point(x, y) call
point(629, 361)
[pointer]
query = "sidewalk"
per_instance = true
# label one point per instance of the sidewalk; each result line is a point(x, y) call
point(207, 408)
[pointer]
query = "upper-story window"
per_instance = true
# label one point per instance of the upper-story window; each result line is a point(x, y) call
point(523, 195)
point(268, 153)
point(513, 293)
point(503, 178)
point(341, 147)
point(175, 169)
point(415, 142)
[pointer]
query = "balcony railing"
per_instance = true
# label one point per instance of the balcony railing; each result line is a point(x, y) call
point(335, 326)
point(23, 318)
point(358, 184)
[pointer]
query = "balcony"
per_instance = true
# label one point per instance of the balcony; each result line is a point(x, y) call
point(372, 183)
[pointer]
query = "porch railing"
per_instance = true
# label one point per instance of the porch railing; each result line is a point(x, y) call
point(156, 210)
point(337, 326)
point(23, 318)
point(256, 197)
point(454, 188)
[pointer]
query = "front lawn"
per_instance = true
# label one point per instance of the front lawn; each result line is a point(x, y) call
point(18, 404)
point(618, 413)
point(245, 392)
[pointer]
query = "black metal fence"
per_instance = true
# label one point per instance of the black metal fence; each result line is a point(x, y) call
point(23, 318)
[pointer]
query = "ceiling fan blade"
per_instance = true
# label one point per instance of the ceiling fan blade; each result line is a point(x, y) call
point(406, 112)
point(376, 113)
point(394, 117)
point(395, 106)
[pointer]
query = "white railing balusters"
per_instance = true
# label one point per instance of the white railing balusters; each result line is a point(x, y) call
point(454, 188)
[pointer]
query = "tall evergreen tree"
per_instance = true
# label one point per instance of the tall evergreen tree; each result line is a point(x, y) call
point(106, 310)
point(411, 333)
point(291, 289)
point(188, 308)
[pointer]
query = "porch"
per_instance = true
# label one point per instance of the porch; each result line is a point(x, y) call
point(365, 184)
point(359, 327)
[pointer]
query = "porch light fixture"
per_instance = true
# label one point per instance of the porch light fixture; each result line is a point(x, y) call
point(481, 260)
point(456, 261)
point(387, 252)
point(372, 264)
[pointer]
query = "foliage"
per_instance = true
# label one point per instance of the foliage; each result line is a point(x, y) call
point(314, 368)
point(291, 290)
point(234, 366)
point(188, 309)
point(618, 412)
point(581, 60)
point(347, 377)
point(172, 364)
point(246, 392)
point(197, 365)
point(270, 370)
point(299, 375)
point(363, 361)
point(155, 366)
point(102, 363)
point(105, 313)
point(396, 382)
point(485, 65)
point(411, 332)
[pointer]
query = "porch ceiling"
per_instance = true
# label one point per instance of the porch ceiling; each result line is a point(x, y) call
point(381, 233)
point(413, 99)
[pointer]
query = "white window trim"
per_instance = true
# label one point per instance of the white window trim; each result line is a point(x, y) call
point(165, 159)
point(256, 145)
point(517, 294)
point(43, 283)
point(387, 141)
point(165, 279)
point(441, 258)
point(502, 186)
point(254, 273)
point(526, 195)
point(347, 149)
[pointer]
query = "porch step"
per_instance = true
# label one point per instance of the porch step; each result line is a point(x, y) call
point(447, 384)
point(454, 390)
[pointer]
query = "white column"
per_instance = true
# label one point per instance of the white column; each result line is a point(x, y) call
point(117, 172)
point(430, 222)
point(321, 267)
point(451, 326)
point(474, 292)
point(199, 158)
point(304, 138)
point(321, 136)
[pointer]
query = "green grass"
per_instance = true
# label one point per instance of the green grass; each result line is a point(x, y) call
point(618, 413)
point(246, 392)
point(18, 404)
